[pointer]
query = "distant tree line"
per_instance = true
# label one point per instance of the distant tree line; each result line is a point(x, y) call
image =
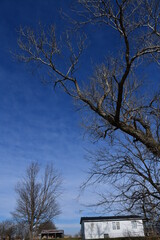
point(10, 229)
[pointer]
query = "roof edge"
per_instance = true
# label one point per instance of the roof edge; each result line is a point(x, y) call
point(110, 218)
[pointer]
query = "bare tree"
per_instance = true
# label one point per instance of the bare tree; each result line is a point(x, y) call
point(46, 226)
point(7, 229)
point(37, 197)
point(116, 100)
point(22, 231)
point(113, 93)
point(131, 171)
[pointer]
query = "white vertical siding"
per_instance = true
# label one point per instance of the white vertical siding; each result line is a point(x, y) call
point(97, 229)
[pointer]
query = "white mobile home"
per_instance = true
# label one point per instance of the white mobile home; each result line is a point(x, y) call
point(111, 227)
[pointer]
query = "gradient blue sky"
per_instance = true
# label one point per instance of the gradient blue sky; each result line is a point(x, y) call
point(37, 123)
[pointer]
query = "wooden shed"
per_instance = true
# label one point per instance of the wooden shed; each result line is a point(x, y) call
point(52, 234)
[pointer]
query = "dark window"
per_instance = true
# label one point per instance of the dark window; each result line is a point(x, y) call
point(134, 224)
point(116, 225)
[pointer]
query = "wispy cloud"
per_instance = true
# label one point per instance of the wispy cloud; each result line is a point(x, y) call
point(33, 128)
point(37, 123)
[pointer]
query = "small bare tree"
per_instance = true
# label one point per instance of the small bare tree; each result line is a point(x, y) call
point(37, 197)
point(7, 229)
point(46, 226)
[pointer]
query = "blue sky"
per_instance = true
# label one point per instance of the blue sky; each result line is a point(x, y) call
point(36, 122)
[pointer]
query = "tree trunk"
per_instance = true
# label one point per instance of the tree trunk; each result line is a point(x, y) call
point(31, 234)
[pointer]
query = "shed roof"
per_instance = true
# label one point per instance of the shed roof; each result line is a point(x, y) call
point(52, 231)
point(109, 218)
